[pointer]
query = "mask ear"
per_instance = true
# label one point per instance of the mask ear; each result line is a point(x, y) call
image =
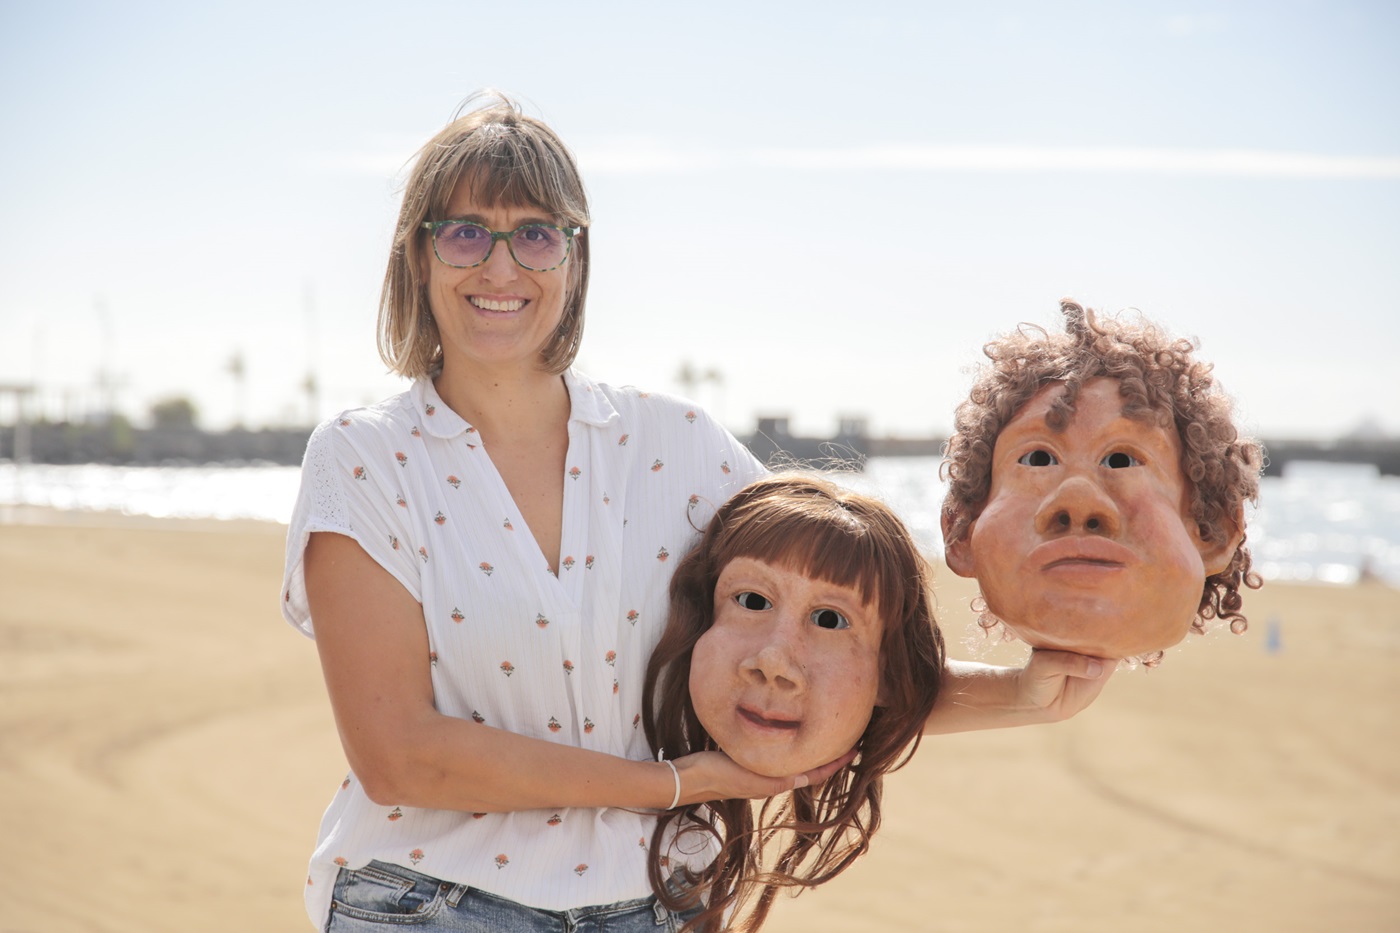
point(1217, 553)
point(882, 695)
point(958, 554)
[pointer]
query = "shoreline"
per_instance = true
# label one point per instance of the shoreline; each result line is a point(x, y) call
point(43, 516)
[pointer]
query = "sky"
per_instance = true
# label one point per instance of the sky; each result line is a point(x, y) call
point(824, 210)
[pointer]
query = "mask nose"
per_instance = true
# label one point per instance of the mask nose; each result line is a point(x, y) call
point(1078, 506)
point(774, 665)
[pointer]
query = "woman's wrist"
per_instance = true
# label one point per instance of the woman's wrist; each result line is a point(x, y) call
point(676, 781)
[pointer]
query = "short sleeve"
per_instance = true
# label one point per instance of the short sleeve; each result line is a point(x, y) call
point(742, 468)
point(343, 490)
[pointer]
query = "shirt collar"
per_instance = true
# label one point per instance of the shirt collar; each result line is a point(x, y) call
point(432, 412)
point(587, 404)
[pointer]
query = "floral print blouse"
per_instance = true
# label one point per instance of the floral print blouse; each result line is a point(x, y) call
point(560, 658)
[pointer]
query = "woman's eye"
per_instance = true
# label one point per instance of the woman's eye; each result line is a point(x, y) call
point(829, 618)
point(466, 232)
point(1038, 458)
point(753, 601)
point(1119, 461)
point(538, 236)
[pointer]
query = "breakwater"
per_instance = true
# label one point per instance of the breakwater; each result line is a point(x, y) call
point(117, 442)
point(774, 443)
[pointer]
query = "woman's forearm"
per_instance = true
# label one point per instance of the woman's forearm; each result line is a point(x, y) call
point(445, 763)
point(1053, 686)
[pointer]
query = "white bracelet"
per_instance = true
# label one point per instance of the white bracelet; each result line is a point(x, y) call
point(675, 774)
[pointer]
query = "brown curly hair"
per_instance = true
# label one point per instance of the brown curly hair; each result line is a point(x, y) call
point(1159, 379)
point(808, 836)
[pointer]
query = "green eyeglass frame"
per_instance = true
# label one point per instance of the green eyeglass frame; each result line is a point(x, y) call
point(569, 233)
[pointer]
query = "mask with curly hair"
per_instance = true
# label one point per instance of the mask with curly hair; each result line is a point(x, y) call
point(1096, 489)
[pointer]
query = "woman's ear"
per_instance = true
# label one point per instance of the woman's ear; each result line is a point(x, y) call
point(1217, 553)
point(958, 553)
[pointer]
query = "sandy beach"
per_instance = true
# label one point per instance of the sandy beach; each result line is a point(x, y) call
point(168, 749)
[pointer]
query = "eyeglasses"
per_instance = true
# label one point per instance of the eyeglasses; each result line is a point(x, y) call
point(537, 247)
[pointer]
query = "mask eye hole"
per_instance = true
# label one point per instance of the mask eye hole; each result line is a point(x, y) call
point(1038, 458)
point(830, 619)
point(755, 602)
point(1119, 461)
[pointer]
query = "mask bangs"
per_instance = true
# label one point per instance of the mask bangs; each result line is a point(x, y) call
point(821, 539)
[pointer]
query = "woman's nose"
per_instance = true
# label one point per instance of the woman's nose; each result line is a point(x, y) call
point(500, 265)
point(774, 664)
point(1078, 506)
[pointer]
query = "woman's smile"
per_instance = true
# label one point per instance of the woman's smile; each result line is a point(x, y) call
point(484, 303)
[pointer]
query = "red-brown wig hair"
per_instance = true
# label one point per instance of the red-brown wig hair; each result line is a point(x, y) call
point(807, 836)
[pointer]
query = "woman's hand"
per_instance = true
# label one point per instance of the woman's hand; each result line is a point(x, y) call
point(707, 776)
point(1052, 687)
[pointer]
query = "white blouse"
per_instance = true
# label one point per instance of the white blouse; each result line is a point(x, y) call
point(512, 645)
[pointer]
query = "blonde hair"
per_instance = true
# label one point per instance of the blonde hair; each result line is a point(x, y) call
point(510, 160)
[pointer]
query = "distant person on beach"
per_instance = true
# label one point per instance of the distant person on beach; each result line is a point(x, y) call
point(1097, 484)
point(484, 561)
point(801, 627)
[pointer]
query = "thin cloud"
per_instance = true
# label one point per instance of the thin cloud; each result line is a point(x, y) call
point(1186, 25)
point(644, 157)
point(652, 158)
point(359, 164)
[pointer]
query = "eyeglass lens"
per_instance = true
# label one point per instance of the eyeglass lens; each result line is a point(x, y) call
point(535, 246)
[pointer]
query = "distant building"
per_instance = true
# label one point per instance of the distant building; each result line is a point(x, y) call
point(774, 444)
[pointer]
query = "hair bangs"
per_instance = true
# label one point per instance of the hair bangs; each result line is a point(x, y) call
point(508, 165)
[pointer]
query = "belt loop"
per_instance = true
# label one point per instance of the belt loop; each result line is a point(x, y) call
point(659, 909)
point(454, 897)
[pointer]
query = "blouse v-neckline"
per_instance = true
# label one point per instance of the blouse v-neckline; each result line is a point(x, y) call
point(587, 409)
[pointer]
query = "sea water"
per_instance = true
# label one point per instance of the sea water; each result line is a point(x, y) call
point(1318, 522)
point(258, 492)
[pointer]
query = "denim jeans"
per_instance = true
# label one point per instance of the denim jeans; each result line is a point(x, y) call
point(382, 897)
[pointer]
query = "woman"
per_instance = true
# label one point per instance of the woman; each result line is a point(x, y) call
point(486, 558)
